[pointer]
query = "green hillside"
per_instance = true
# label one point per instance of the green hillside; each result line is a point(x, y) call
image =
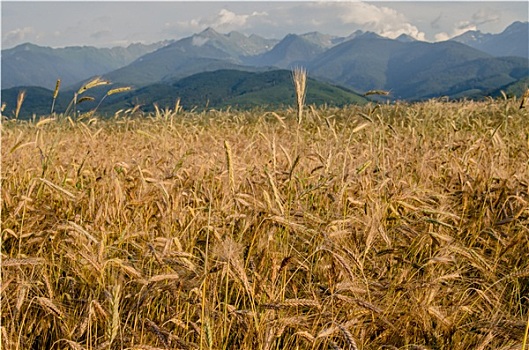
point(235, 88)
point(38, 101)
point(219, 89)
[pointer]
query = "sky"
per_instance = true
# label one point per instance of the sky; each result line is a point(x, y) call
point(120, 23)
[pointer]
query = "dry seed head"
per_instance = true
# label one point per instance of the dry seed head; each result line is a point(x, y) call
point(299, 76)
point(118, 90)
point(20, 99)
point(165, 277)
point(57, 86)
point(50, 306)
point(84, 99)
point(92, 84)
point(377, 92)
point(177, 106)
point(114, 324)
point(20, 262)
point(22, 293)
point(306, 335)
point(348, 338)
point(153, 327)
point(98, 310)
point(229, 162)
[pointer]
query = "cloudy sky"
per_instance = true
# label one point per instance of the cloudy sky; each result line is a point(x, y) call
point(106, 24)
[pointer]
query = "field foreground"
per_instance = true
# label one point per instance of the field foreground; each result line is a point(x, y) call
point(375, 227)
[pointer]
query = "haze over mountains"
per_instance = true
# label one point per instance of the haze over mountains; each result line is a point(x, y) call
point(511, 42)
point(32, 65)
point(472, 65)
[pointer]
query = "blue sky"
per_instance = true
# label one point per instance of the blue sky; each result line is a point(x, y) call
point(119, 23)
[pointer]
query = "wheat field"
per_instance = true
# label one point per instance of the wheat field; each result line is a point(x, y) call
point(399, 226)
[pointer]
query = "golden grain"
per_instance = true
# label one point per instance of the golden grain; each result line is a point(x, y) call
point(299, 76)
point(20, 99)
point(148, 233)
point(118, 90)
point(85, 99)
point(98, 81)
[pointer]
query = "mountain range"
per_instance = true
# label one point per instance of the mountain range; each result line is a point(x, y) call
point(33, 65)
point(511, 42)
point(471, 65)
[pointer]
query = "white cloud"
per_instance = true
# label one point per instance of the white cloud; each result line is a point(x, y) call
point(485, 15)
point(227, 18)
point(379, 19)
point(443, 36)
point(479, 18)
point(460, 28)
point(224, 20)
point(18, 35)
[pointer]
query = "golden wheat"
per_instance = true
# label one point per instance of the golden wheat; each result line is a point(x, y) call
point(20, 99)
point(118, 90)
point(299, 76)
point(525, 96)
point(55, 94)
point(381, 226)
point(98, 81)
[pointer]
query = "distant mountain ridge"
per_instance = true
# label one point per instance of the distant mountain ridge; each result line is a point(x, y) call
point(513, 41)
point(292, 50)
point(202, 52)
point(410, 69)
point(415, 69)
point(31, 65)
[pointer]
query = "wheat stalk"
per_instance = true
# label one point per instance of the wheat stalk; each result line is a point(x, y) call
point(85, 99)
point(20, 99)
point(377, 92)
point(98, 81)
point(177, 106)
point(114, 324)
point(277, 197)
point(50, 306)
point(118, 90)
point(229, 163)
point(301, 278)
point(526, 335)
point(55, 94)
point(20, 262)
point(112, 92)
point(524, 98)
point(299, 76)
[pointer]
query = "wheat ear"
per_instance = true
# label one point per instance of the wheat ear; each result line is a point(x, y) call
point(524, 97)
point(55, 94)
point(112, 92)
point(90, 85)
point(229, 163)
point(20, 99)
point(299, 76)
